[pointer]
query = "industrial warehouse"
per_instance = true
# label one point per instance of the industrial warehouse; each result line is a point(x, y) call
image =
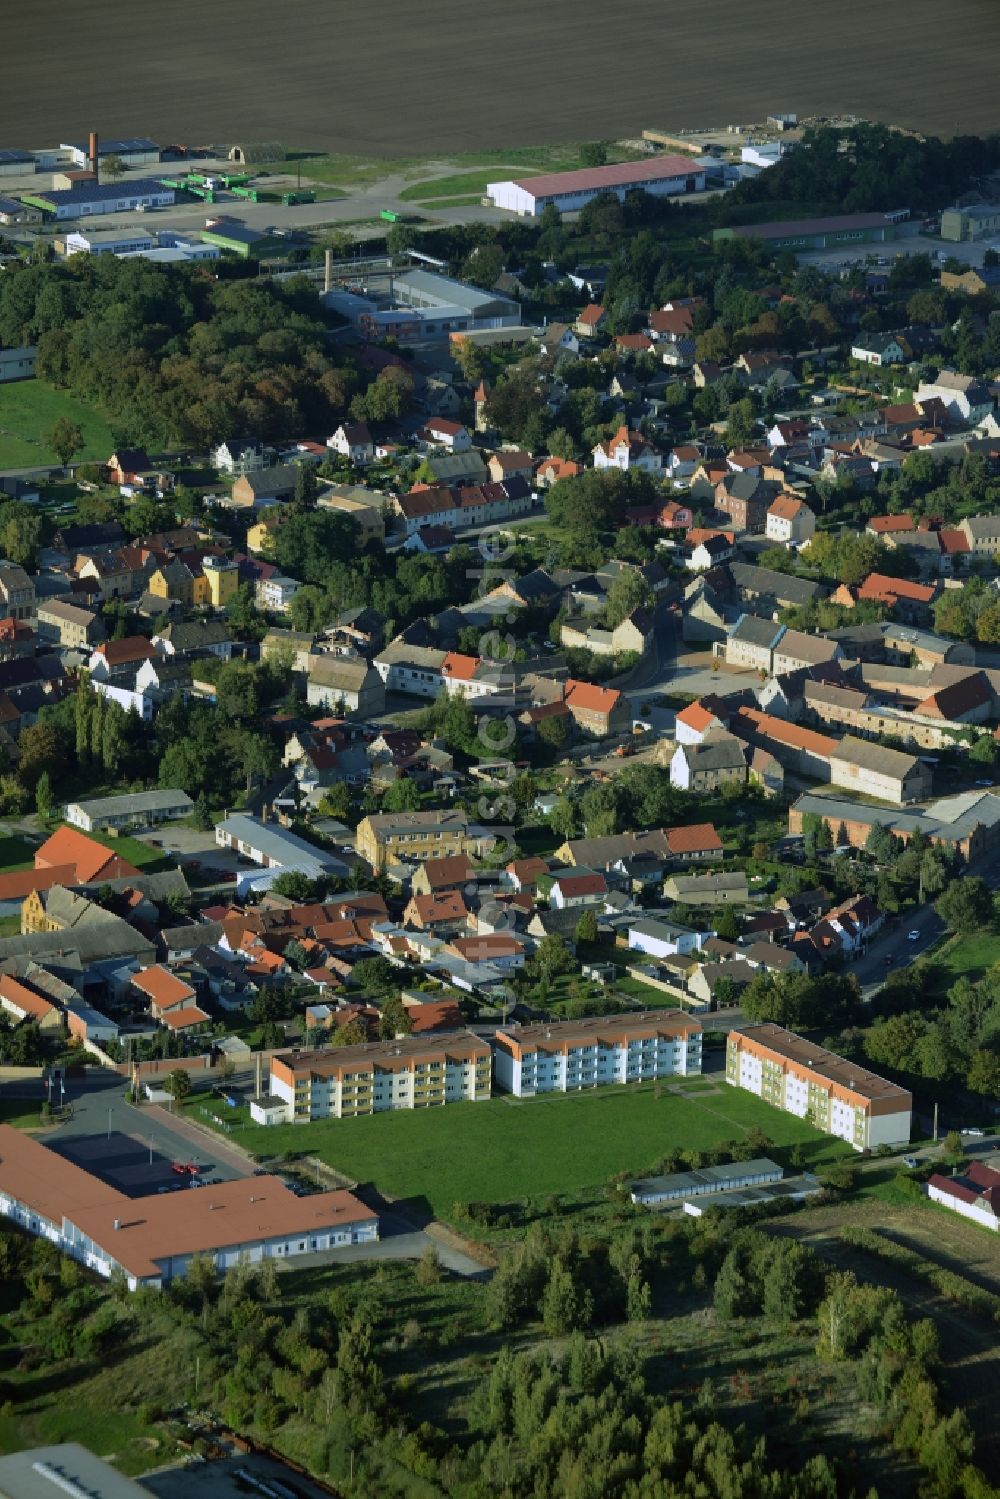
point(152, 1240)
point(568, 192)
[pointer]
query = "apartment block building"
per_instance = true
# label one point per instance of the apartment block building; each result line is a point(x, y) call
point(413, 1072)
point(575, 1054)
point(397, 837)
point(839, 1097)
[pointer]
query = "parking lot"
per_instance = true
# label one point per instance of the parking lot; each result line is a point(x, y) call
point(135, 1150)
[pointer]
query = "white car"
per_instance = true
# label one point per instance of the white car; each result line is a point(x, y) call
point(911, 1162)
point(913, 936)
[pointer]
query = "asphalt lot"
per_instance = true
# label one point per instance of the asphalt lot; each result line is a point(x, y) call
point(132, 1148)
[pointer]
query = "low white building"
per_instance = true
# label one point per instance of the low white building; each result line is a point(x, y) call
point(18, 364)
point(135, 810)
point(568, 192)
point(250, 1219)
point(575, 1054)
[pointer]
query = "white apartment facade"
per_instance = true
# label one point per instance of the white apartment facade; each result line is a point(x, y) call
point(597, 1052)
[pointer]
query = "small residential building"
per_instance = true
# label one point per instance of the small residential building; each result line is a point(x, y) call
point(344, 684)
point(878, 349)
point(69, 625)
point(571, 1055)
point(240, 456)
point(839, 1097)
point(627, 451)
point(353, 441)
point(973, 1192)
point(17, 592)
point(411, 1072)
point(790, 521)
point(726, 889)
point(752, 642)
point(268, 486)
point(596, 711)
point(719, 758)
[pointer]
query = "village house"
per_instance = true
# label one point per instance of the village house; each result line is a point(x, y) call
point(718, 759)
point(627, 450)
point(790, 521)
point(353, 441)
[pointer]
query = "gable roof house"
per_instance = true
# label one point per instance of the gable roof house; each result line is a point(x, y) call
point(627, 450)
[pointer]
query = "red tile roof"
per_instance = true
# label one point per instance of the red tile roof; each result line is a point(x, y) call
point(91, 860)
point(878, 586)
point(594, 179)
point(701, 837)
point(882, 525)
point(459, 668)
point(589, 698)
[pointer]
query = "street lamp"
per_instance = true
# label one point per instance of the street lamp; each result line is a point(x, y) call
point(109, 1122)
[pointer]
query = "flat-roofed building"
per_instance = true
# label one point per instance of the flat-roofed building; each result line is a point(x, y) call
point(839, 1097)
point(152, 1240)
point(574, 1054)
point(412, 1072)
point(135, 810)
point(708, 1181)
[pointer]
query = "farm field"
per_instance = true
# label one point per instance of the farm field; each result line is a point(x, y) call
point(29, 409)
point(509, 1148)
point(440, 78)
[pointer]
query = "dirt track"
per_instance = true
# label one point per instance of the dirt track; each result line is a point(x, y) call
point(444, 76)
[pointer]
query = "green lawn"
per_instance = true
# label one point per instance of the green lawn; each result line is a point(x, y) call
point(28, 411)
point(15, 854)
point(507, 1148)
point(22, 1113)
point(468, 183)
point(964, 957)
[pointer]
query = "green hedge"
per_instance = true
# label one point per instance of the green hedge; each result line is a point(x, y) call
point(945, 1282)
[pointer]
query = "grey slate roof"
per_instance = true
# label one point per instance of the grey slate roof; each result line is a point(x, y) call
point(756, 631)
point(784, 587)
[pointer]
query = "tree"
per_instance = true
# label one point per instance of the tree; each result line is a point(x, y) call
point(177, 1084)
point(594, 153)
point(563, 1306)
point(562, 818)
point(20, 532)
point(43, 795)
point(554, 730)
point(627, 593)
point(395, 1019)
point(727, 926)
point(42, 753)
point(306, 487)
point(966, 905)
point(553, 957)
point(113, 168)
point(237, 691)
point(586, 927)
point(401, 796)
point(65, 438)
point(203, 813)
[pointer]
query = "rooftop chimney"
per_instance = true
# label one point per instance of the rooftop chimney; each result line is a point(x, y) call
point(92, 152)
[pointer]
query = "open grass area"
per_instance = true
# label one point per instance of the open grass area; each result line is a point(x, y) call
point(511, 1148)
point(28, 411)
point(964, 957)
point(15, 853)
point(22, 1113)
point(361, 171)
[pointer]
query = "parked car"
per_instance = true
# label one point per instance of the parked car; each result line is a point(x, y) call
point(910, 1161)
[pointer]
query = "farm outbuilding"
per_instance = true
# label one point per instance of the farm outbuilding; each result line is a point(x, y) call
point(253, 153)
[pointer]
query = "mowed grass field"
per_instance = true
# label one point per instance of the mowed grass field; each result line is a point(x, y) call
point(508, 1148)
point(396, 79)
point(28, 411)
